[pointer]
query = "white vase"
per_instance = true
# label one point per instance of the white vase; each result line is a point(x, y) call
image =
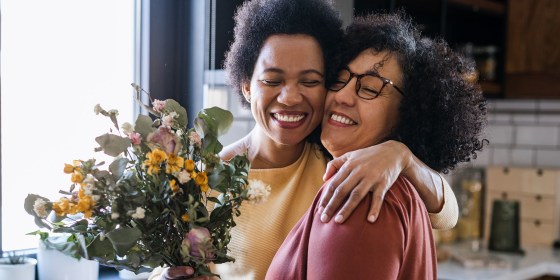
point(126, 274)
point(54, 265)
point(24, 271)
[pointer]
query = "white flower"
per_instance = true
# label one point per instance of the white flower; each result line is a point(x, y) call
point(183, 176)
point(96, 197)
point(97, 109)
point(258, 191)
point(114, 112)
point(115, 215)
point(167, 120)
point(89, 181)
point(40, 208)
point(140, 213)
point(195, 138)
point(127, 128)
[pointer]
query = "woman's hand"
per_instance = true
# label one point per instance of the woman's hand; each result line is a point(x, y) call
point(180, 272)
point(375, 169)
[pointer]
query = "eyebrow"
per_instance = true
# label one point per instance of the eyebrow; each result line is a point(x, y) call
point(280, 71)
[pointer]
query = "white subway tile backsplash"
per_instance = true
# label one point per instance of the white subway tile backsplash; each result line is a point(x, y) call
point(537, 135)
point(500, 134)
point(549, 119)
point(499, 118)
point(483, 158)
point(549, 105)
point(501, 156)
point(548, 158)
point(522, 157)
point(525, 105)
point(524, 118)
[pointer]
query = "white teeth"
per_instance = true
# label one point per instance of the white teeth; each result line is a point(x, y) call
point(288, 118)
point(342, 119)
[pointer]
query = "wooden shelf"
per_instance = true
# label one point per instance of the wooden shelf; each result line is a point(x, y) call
point(492, 88)
point(483, 5)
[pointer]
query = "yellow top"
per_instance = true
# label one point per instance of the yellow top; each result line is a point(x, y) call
point(262, 228)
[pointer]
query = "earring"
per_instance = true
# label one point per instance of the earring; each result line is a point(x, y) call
point(248, 99)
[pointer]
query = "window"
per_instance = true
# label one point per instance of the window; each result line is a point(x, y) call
point(58, 60)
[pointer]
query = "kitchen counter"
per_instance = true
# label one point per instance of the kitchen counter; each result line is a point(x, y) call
point(536, 262)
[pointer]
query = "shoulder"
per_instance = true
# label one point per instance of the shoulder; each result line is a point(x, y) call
point(239, 147)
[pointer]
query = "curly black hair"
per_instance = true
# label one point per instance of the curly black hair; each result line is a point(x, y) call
point(443, 112)
point(256, 20)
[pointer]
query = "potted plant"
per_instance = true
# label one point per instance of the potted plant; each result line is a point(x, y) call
point(17, 267)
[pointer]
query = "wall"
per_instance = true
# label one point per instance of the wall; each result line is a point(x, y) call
point(522, 133)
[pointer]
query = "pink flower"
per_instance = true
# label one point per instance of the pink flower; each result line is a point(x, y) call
point(159, 105)
point(166, 139)
point(198, 243)
point(195, 138)
point(167, 120)
point(135, 138)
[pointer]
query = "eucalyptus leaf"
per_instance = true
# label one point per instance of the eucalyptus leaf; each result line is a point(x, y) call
point(143, 126)
point(117, 167)
point(217, 119)
point(101, 249)
point(174, 106)
point(113, 145)
point(123, 239)
point(30, 201)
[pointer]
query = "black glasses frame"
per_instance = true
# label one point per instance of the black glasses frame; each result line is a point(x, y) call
point(359, 85)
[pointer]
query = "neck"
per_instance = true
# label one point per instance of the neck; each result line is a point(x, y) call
point(266, 153)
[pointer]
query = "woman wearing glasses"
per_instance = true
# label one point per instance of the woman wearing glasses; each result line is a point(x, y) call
point(281, 55)
point(395, 85)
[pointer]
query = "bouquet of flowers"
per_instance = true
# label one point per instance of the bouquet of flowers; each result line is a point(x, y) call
point(165, 199)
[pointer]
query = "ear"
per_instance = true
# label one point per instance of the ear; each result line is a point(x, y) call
point(246, 89)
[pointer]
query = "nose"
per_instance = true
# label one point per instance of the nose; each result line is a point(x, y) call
point(347, 95)
point(290, 95)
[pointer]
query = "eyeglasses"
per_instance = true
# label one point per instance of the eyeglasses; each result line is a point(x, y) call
point(368, 85)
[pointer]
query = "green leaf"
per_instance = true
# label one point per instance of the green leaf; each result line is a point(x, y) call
point(30, 201)
point(174, 106)
point(217, 121)
point(113, 145)
point(102, 249)
point(143, 126)
point(117, 167)
point(123, 239)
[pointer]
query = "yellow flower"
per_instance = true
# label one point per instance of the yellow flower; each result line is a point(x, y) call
point(201, 178)
point(185, 217)
point(189, 165)
point(74, 167)
point(77, 177)
point(155, 158)
point(85, 204)
point(174, 163)
point(61, 207)
point(204, 188)
point(68, 168)
point(173, 186)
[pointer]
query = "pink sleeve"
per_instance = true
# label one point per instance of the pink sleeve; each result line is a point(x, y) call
point(358, 249)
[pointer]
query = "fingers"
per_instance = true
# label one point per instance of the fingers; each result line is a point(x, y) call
point(354, 199)
point(333, 166)
point(376, 202)
point(177, 272)
point(335, 196)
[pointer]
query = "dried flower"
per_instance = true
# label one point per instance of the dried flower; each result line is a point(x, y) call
point(258, 191)
point(138, 209)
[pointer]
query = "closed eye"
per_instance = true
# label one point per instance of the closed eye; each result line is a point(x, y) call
point(271, 83)
point(311, 83)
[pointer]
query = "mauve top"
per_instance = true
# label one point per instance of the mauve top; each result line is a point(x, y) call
point(399, 245)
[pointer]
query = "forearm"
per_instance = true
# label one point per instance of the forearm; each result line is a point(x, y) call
point(428, 183)
point(435, 192)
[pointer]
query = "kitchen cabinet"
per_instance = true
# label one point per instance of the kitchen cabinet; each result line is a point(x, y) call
point(514, 42)
point(537, 192)
point(532, 68)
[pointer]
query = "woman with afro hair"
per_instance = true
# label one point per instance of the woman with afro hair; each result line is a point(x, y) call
point(392, 85)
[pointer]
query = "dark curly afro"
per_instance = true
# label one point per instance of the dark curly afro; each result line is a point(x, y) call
point(257, 20)
point(443, 112)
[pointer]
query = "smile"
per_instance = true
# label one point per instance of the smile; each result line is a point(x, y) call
point(288, 118)
point(342, 119)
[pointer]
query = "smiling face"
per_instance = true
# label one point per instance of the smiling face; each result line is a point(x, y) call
point(287, 88)
point(352, 123)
